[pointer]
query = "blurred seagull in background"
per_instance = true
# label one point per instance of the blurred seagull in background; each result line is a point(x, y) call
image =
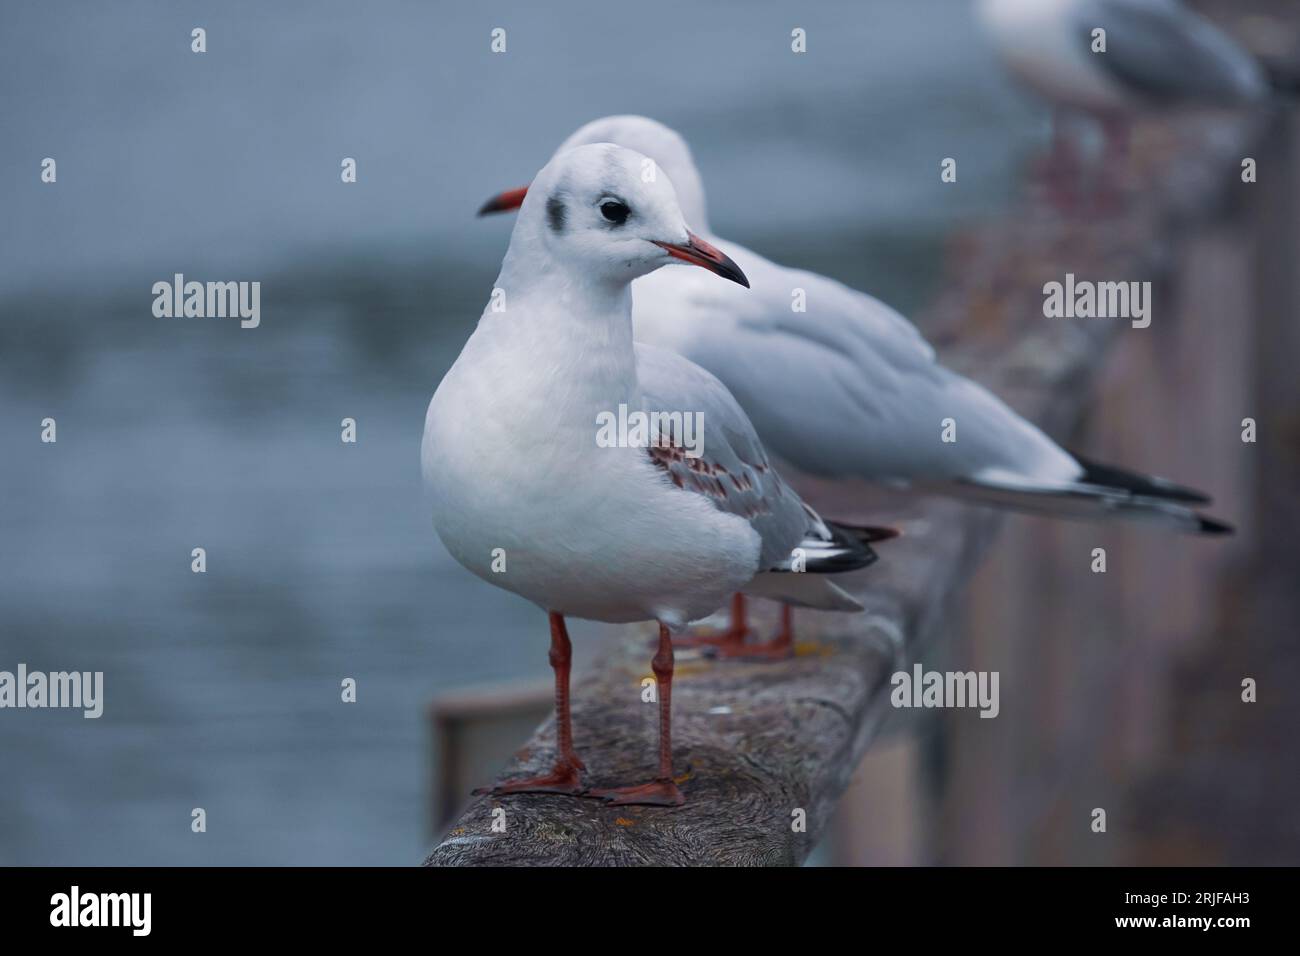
point(615, 533)
point(850, 388)
point(1157, 54)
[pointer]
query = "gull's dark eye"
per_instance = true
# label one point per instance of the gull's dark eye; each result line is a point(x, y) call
point(614, 211)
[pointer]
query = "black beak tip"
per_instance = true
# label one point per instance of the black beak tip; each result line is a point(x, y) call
point(729, 270)
point(699, 253)
point(489, 207)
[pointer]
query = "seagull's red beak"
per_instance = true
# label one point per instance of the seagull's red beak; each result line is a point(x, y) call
point(504, 202)
point(699, 253)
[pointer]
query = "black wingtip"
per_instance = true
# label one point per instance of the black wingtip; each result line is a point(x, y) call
point(1214, 526)
point(867, 560)
point(1109, 476)
point(1188, 495)
point(865, 533)
point(851, 550)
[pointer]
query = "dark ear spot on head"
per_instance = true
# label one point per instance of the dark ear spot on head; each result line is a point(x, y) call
point(555, 214)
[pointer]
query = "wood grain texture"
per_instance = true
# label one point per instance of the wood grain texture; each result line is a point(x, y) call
point(753, 742)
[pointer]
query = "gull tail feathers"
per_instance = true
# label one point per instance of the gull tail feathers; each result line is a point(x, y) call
point(832, 548)
point(1149, 486)
point(802, 590)
point(867, 534)
point(1102, 491)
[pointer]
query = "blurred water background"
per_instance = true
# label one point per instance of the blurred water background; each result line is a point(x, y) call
point(222, 689)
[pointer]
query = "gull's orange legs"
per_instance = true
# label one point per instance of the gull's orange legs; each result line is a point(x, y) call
point(733, 637)
point(662, 791)
point(731, 642)
point(779, 648)
point(565, 776)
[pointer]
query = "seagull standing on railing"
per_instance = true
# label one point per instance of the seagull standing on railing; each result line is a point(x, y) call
point(525, 494)
point(1114, 59)
point(850, 388)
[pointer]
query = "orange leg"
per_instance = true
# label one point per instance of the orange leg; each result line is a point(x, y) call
point(733, 637)
point(662, 791)
point(777, 649)
point(565, 776)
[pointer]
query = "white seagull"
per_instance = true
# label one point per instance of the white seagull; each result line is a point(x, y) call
point(850, 388)
point(1156, 54)
point(527, 495)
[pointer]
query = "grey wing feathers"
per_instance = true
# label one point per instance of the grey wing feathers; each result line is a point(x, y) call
point(854, 324)
point(1166, 52)
point(732, 469)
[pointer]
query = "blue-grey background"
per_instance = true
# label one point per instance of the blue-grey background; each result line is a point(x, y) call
point(222, 689)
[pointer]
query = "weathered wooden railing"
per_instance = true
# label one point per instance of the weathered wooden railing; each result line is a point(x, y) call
point(764, 746)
